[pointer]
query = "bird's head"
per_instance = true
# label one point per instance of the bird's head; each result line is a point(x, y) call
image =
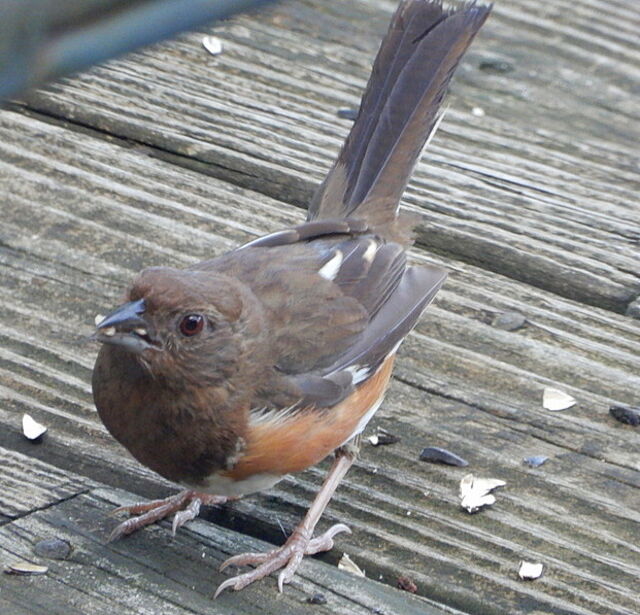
point(183, 326)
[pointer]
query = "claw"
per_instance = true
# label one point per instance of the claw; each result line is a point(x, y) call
point(325, 541)
point(188, 514)
point(289, 571)
point(134, 509)
point(244, 559)
point(225, 585)
point(123, 529)
point(288, 557)
point(150, 512)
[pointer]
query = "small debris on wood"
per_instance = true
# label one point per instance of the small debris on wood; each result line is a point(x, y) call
point(31, 429)
point(25, 568)
point(535, 461)
point(348, 114)
point(633, 309)
point(212, 44)
point(555, 400)
point(382, 437)
point(53, 548)
point(406, 584)
point(530, 570)
point(478, 112)
point(317, 598)
point(497, 67)
point(475, 492)
point(509, 321)
point(346, 563)
point(435, 454)
point(629, 415)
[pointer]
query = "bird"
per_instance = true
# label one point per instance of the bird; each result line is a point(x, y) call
point(230, 374)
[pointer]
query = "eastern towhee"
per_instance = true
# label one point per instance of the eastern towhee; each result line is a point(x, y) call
point(228, 375)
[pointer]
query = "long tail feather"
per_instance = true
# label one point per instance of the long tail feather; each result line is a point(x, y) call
point(399, 111)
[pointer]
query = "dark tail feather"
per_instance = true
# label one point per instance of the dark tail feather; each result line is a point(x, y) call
point(398, 112)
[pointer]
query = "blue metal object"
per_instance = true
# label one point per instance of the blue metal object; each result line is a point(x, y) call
point(44, 39)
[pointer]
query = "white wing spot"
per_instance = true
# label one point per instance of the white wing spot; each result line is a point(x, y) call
point(370, 252)
point(330, 269)
point(358, 373)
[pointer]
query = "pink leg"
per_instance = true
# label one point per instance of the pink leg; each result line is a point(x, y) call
point(299, 544)
point(185, 505)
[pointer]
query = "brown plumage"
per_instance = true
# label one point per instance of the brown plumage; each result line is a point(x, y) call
point(228, 375)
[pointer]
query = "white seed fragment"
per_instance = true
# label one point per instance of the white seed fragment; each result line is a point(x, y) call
point(346, 563)
point(530, 570)
point(108, 331)
point(212, 44)
point(487, 484)
point(382, 437)
point(466, 485)
point(555, 399)
point(478, 112)
point(473, 503)
point(141, 331)
point(26, 568)
point(474, 492)
point(98, 319)
point(31, 429)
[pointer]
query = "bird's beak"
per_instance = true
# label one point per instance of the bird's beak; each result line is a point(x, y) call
point(127, 328)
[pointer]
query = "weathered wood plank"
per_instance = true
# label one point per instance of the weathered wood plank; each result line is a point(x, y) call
point(81, 215)
point(155, 573)
point(29, 485)
point(542, 188)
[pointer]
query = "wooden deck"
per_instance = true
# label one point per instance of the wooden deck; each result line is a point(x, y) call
point(528, 194)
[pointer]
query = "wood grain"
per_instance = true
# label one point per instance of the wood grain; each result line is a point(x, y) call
point(129, 577)
point(542, 188)
point(29, 485)
point(82, 213)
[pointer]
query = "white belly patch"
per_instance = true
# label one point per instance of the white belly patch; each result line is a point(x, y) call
point(223, 485)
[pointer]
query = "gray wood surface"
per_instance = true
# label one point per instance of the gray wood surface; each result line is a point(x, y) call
point(170, 156)
point(129, 577)
point(540, 188)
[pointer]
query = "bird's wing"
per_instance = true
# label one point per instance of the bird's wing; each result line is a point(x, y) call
point(338, 299)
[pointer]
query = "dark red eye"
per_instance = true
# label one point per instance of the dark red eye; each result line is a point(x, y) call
point(191, 324)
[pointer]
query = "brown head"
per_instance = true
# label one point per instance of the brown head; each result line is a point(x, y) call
point(185, 328)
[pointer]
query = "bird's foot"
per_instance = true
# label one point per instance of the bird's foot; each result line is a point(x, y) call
point(288, 556)
point(185, 505)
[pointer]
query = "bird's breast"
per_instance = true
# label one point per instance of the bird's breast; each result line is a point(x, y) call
point(185, 436)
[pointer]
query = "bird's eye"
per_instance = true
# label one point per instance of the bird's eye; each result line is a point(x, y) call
point(192, 324)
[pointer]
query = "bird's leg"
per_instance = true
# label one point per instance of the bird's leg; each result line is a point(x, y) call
point(185, 505)
point(300, 543)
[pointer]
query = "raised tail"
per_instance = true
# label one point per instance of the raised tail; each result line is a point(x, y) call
point(398, 113)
